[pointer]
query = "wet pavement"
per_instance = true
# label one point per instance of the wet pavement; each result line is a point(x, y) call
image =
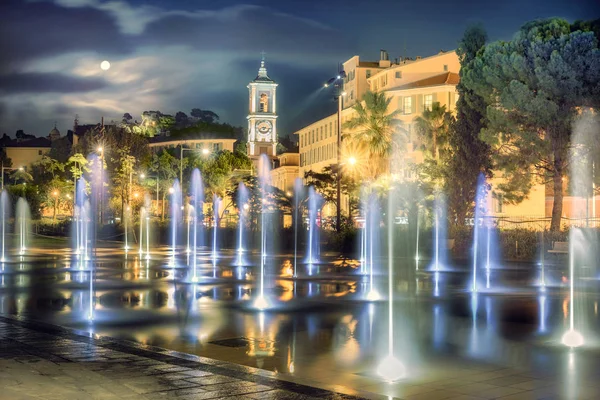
point(320, 331)
point(48, 362)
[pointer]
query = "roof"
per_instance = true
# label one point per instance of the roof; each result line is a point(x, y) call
point(447, 78)
point(262, 74)
point(368, 64)
point(35, 142)
point(191, 136)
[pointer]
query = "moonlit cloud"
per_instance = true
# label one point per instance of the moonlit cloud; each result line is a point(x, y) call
point(166, 59)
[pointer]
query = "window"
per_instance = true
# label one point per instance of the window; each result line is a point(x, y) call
point(352, 95)
point(264, 103)
point(445, 67)
point(326, 131)
point(428, 101)
point(39, 152)
point(499, 203)
point(383, 80)
point(398, 74)
point(408, 105)
point(321, 133)
point(313, 136)
point(331, 128)
point(368, 73)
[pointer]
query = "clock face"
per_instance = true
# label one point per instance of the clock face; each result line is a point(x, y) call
point(264, 128)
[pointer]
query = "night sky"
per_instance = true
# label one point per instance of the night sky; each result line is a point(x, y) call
point(172, 55)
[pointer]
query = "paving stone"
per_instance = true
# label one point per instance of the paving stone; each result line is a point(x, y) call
point(40, 361)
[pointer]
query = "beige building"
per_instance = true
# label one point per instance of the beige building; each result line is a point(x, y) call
point(285, 174)
point(203, 143)
point(27, 152)
point(413, 84)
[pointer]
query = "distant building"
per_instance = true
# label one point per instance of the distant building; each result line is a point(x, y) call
point(285, 172)
point(24, 153)
point(206, 143)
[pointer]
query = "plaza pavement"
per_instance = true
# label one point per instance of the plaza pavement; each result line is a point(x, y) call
point(40, 361)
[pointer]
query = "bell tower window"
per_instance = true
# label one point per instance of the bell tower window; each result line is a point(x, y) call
point(264, 103)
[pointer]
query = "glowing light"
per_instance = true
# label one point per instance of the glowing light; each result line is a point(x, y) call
point(572, 338)
point(246, 206)
point(205, 151)
point(373, 295)
point(104, 65)
point(391, 369)
point(343, 93)
point(171, 190)
point(142, 176)
point(326, 85)
point(261, 303)
point(352, 160)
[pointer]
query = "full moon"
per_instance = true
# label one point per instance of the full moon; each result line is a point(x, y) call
point(105, 65)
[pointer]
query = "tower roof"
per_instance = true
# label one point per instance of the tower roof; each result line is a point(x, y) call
point(262, 73)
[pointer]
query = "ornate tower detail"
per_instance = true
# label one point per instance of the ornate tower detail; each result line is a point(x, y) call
point(262, 114)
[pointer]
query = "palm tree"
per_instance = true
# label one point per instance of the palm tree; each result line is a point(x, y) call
point(432, 126)
point(375, 130)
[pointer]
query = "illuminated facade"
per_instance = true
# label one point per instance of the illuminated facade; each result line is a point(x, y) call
point(262, 115)
point(413, 84)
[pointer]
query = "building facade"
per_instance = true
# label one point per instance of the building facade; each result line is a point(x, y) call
point(205, 144)
point(413, 85)
point(284, 176)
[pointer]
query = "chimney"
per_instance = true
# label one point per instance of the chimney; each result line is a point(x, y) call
point(418, 58)
point(384, 59)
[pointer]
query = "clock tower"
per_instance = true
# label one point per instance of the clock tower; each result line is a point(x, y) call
point(262, 115)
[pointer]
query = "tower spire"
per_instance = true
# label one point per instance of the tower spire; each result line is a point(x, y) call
point(262, 71)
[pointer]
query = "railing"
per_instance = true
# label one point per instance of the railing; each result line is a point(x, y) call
point(534, 222)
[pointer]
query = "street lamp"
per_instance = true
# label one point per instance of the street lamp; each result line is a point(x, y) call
point(8, 169)
point(339, 94)
point(101, 151)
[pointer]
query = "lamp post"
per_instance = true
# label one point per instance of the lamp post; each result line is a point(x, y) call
point(338, 84)
point(7, 169)
point(101, 151)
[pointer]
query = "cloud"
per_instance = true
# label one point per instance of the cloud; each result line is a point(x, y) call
point(31, 31)
point(160, 59)
point(44, 83)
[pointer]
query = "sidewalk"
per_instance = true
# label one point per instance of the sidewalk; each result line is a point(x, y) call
point(40, 361)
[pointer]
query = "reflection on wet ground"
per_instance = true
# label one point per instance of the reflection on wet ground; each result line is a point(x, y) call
point(320, 327)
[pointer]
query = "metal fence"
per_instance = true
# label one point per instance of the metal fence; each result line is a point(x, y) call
point(535, 223)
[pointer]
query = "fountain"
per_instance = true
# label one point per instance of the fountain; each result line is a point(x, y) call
point(196, 207)
point(242, 202)
point(175, 218)
point(440, 256)
point(372, 221)
point(5, 210)
point(417, 240)
point(141, 239)
point(298, 191)
point(82, 223)
point(23, 223)
point(390, 368)
point(312, 243)
point(215, 241)
point(264, 180)
point(582, 243)
point(479, 204)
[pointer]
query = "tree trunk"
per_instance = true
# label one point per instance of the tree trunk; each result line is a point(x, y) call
point(435, 154)
point(557, 204)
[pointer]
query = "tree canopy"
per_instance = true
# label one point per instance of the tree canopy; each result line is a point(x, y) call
point(534, 87)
